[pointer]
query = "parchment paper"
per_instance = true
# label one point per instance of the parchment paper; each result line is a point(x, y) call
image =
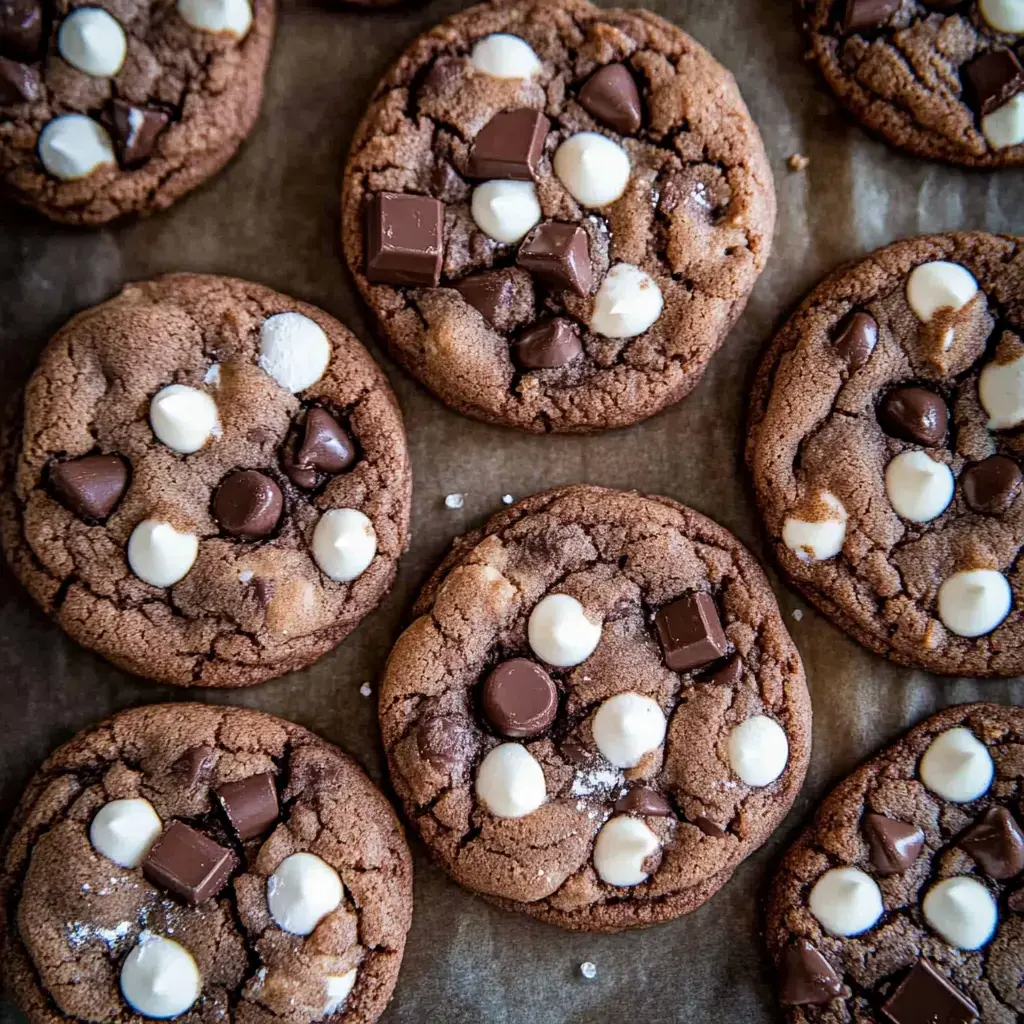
point(272, 216)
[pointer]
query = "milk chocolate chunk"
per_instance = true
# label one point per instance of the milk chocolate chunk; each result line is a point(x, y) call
point(996, 843)
point(487, 293)
point(519, 699)
point(134, 130)
point(91, 486)
point(248, 504)
point(405, 239)
point(509, 146)
point(444, 742)
point(21, 28)
point(855, 338)
point(194, 764)
point(250, 804)
point(547, 345)
point(611, 95)
point(806, 978)
point(926, 997)
point(319, 446)
point(994, 79)
point(19, 83)
point(691, 633)
point(868, 14)
point(894, 845)
point(709, 828)
point(990, 486)
point(188, 864)
point(914, 414)
point(559, 254)
point(728, 675)
point(641, 800)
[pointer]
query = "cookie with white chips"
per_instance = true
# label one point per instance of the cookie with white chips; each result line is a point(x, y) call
point(598, 712)
point(208, 483)
point(886, 451)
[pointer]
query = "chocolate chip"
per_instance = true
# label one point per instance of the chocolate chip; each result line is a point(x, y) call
point(576, 752)
point(691, 632)
point(134, 130)
point(991, 485)
point(519, 699)
point(487, 293)
point(194, 764)
point(19, 83)
point(558, 254)
point(709, 828)
point(405, 239)
point(925, 997)
point(547, 345)
point(91, 486)
point(611, 95)
point(509, 146)
point(894, 845)
point(250, 804)
point(641, 800)
point(188, 863)
point(861, 14)
point(914, 414)
point(21, 28)
point(994, 79)
point(806, 978)
point(444, 73)
point(319, 446)
point(855, 338)
point(248, 504)
point(443, 742)
point(996, 844)
point(728, 675)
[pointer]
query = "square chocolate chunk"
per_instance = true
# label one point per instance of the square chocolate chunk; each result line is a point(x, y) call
point(405, 239)
point(995, 78)
point(691, 633)
point(559, 254)
point(509, 146)
point(188, 864)
point(926, 997)
point(250, 804)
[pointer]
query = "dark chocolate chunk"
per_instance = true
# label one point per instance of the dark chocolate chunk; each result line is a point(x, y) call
point(250, 804)
point(91, 486)
point(21, 28)
point(558, 254)
point(855, 338)
point(248, 504)
point(691, 632)
point(806, 978)
point(194, 764)
point(990, 486)
point(894, 845)
point(134, 130)
point(641, 800)
point(509, 146)
point(19, 83)
point(519, 699)
point(444, 73)
point(914, 414)
point(868, 14)
point(445, 182)
point(728, 675)
point(709, 828)
point(405, 239)
point(611, 95)
point(487, 292)
point(188, 864)
point(319, 446)
point(444, 742)
point(994, 79)
point(547, 345)
point(996, 844)
point(926, 997)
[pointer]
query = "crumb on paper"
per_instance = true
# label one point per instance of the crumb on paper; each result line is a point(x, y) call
point(454, 500)
point(507, 499)
point(798, 614)
point(366, 689)
point(588, 970)
point(798, 162)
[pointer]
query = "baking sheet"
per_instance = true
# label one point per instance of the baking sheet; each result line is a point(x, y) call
point(273, 216)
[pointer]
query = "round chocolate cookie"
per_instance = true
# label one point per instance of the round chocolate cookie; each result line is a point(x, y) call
point(205, 863)
point(209, 484)
point(598, 712)
point(885, 449)
point(557, 212)
point(939, 78)
point(902, 902)
point(122, 107)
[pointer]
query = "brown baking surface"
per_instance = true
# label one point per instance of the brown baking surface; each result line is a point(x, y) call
point(272, 216)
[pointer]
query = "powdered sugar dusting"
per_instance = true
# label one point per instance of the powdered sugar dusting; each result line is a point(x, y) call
point(595, 780)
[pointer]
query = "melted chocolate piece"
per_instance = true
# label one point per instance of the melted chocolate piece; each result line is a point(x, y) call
point(806, 978)
point(990, 486)
point(894, 845)
point(868, 14)
point(21, 28)
point(248, 504)
point(914, 414)
point(547, 345)
point(996, 843)
point(855, 338)
point(91, 486)
point(19, 83)
point(488, 293)
point(642, 800)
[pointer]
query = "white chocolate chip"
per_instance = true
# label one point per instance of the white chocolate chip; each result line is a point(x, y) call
point(510, 781)
point(560, 633)
point(621, 847)
point(93, 41)
point(627, 303)
point(344, 543)
point(302, 892)
point(973, 602)
point(1004, 127)
point(820, 540)
point(1001, 391)
point(124, 830)
point(159, 978)
point(339, 988)
point(846, 901)
point(919, 488)
point(72, 146)
point(939, 285)
point(758, 750)
point(294, 350)
point(504, 56)
point(626, 727)
point(594, 169)
point(505, 210)
point(957, 766)
point(1003, 15)
point(183, 417)
point(231, 16)
point(159, 555)
point(962, 911)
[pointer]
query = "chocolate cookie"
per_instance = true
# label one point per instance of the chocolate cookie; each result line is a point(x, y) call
point(557, 212)
point(939, 78)
point(209, 484)
point(886, 453)
point(123, 107)
point(902, 902)
point(598, 712)
point(204, 863)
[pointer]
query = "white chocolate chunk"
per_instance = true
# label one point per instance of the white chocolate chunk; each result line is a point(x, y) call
point(817, 541)
point(972, 603)
point(183, 418)
point(73, 146)
point(919, 488)
point(510, 781)
point(93, 41)
point(626, 727)
point(560, 633)
point(504, 56)
point(505, 210)
point(294, 350)
point(621, 847)
point(594, 169)
point(124, 830)
point(1003, 15)
point(339, 988)
point(1001, 391)
point(957, 766)
point(939, 285)
point(231, 16)
point(846, 901)
point(159, 555)
point(758, 750)
point(1004, 127)
point(302, 892)
point(627, 303)
point(160, 978)
point(962, 911)
point(344, 543)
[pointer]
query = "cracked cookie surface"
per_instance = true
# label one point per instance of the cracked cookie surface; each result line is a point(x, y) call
point(696, 213)
point(71, 915)
point(625, 558)
point(248, 609)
